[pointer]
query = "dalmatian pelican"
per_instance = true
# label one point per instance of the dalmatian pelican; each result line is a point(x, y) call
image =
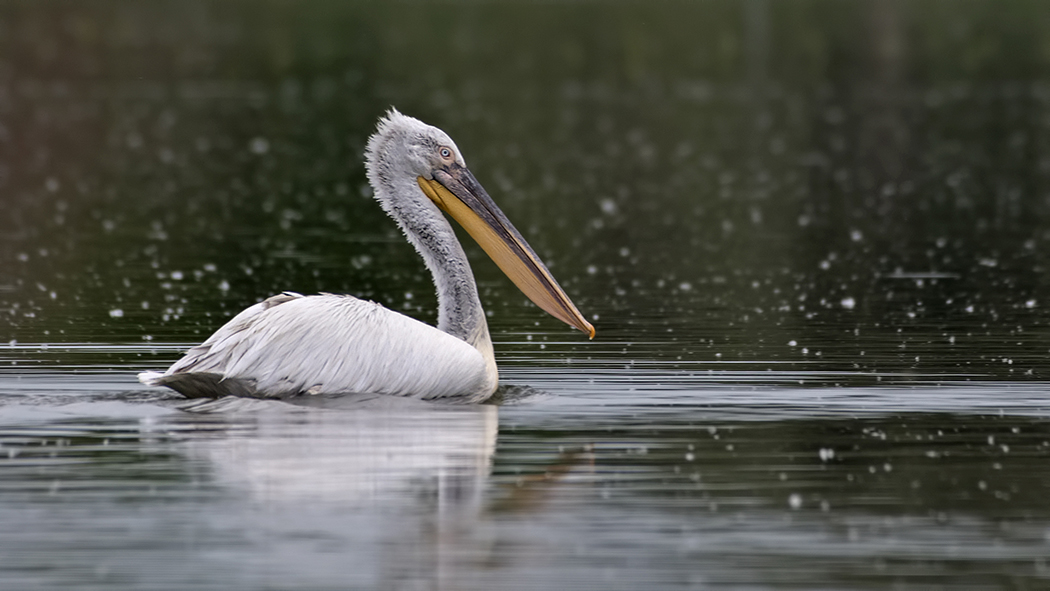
point(292, 344)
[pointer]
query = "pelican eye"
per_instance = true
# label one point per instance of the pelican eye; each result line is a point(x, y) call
point(445, 153)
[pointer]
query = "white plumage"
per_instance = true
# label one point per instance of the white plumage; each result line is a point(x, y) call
point(291, 344)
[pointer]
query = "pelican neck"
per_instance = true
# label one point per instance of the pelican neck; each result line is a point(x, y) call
point(459, 308)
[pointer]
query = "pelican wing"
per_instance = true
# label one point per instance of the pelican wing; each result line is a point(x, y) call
point(292, 344)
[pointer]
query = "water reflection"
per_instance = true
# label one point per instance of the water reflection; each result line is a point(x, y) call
point(369, 452)
point(371, 491)
point(705, 488)
point(394, 487)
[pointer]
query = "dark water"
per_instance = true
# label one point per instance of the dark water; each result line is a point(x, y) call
point(812, 237)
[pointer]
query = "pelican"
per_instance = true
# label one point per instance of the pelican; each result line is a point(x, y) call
point(292, 344)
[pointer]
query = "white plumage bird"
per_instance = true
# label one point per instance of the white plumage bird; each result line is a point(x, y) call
point(291, 344)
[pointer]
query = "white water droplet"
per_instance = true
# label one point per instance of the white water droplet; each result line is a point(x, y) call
point(259, 145)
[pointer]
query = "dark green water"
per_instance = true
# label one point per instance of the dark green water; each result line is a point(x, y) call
point(813, 237)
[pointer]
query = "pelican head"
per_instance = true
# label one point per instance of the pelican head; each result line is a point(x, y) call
point(417, 170)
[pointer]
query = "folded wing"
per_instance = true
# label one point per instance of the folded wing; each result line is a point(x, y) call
point(291, 344)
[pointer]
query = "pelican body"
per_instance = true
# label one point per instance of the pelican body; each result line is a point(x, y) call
point(291, 344)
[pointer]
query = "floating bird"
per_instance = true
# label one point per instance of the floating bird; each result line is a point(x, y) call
point(292, 344)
